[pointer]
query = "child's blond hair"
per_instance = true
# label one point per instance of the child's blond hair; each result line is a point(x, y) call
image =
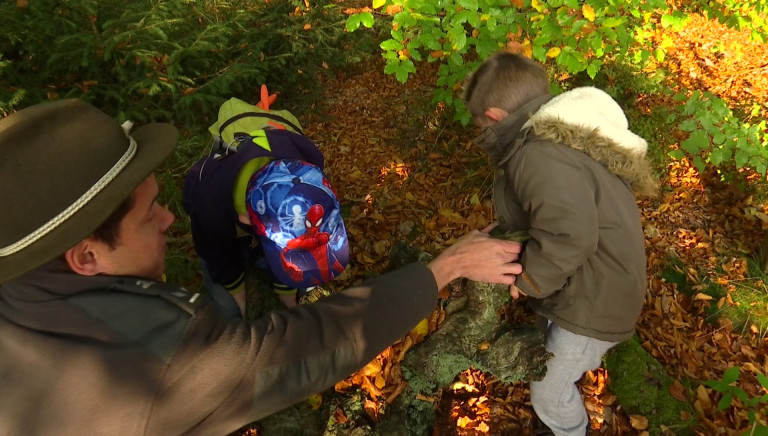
point(506, 81)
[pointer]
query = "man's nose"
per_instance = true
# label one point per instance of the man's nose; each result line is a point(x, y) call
point(168, 219)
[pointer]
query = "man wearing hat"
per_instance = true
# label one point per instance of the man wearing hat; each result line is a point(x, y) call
point(91, 342)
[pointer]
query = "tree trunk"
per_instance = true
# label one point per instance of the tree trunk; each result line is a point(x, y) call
point(474, 334)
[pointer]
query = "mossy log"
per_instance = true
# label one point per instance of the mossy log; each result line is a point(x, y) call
point(472, 335)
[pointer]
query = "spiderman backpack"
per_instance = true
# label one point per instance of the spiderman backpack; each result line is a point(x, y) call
point(295, 213)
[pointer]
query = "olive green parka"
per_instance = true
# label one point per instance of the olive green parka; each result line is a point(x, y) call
point(566, 169)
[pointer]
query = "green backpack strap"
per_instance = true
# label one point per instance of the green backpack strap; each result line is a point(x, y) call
point(237, 116)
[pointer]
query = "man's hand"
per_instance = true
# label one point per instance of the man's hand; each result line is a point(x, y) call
point(478, 257)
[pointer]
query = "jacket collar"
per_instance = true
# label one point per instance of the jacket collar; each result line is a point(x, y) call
point(495, 139)
point(584, 119)
point(38, 300)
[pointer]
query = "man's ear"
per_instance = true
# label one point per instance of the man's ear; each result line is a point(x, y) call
point(245, 219)
point(83, 258)
point(496, 114)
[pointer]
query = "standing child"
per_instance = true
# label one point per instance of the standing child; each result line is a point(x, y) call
point(566, 168)
point(258, 151)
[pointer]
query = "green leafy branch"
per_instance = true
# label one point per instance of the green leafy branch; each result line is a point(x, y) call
point(730, 391)
point(577, 35)
point(718, 136)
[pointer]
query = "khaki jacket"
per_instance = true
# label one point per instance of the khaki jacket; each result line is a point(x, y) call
point(565, 170)
point(125, 356)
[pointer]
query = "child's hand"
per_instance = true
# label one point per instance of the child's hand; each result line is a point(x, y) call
point(515, 292)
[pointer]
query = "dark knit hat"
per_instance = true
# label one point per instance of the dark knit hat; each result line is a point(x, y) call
point(65, 166)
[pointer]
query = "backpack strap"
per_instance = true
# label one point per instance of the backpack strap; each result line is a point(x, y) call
point(269, 115)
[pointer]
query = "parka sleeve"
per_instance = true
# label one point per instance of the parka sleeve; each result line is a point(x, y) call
point(560, 201)
point(229, 373)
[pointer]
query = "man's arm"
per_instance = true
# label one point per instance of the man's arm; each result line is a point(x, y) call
point(240, 372)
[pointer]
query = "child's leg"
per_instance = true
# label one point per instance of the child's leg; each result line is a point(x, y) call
point(240, 299)
point(288, 300)
point(556, 399)
point(287, 294)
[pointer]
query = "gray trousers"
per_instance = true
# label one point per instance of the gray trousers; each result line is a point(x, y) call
point(556, 399)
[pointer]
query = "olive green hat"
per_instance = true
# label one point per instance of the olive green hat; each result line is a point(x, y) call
point(65, 166)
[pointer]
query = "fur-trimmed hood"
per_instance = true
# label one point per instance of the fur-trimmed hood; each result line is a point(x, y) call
point(585, 119)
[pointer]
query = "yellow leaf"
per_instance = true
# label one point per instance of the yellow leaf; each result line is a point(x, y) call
point(463, 386)
point(589, 12)
point(449, 213)
point(379, 381)
point(536, 4)
point(372, 368)
point(315, 401)
point(703, 296)
point(421, 329)
point(463, 421)
point(527, 50)
point(647, 17)
point(553, 52)
point(638, 422)
point(703, 398)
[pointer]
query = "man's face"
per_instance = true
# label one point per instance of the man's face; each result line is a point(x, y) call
point(140, 248)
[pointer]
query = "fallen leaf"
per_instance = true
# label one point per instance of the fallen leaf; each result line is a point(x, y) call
point(421, 329)
point(315, 401)
point(339, 416)
point(638, 422)
point(677, 390)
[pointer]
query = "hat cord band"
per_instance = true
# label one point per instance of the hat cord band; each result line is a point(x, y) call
point(74, 207)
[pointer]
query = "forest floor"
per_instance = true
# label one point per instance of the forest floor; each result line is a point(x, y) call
point(406, 174)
